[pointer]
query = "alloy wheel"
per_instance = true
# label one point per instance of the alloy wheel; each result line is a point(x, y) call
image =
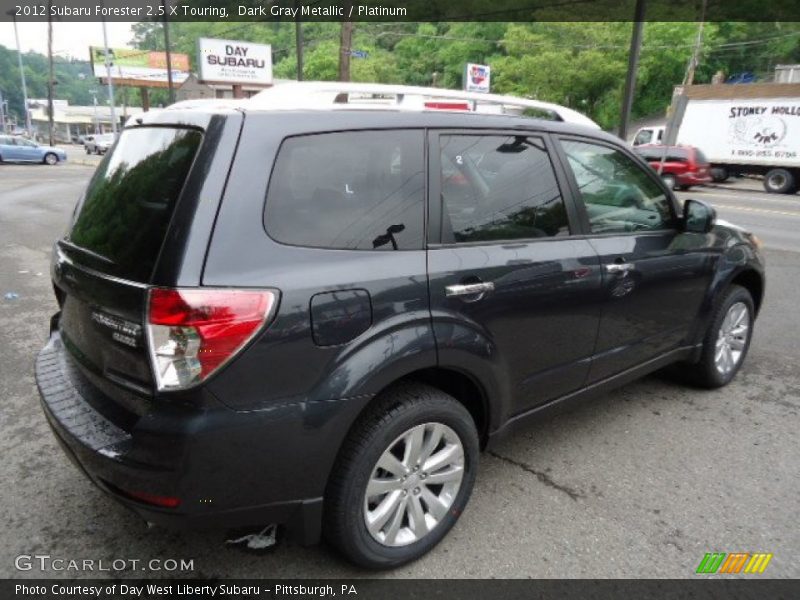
point(414, 484)
point(732, 338)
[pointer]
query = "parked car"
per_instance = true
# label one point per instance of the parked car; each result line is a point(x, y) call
point(15, 148)
point(99, 143)
point(305, 313)
point(684, 166)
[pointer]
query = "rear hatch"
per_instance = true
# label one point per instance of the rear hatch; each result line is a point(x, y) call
point(104, 264)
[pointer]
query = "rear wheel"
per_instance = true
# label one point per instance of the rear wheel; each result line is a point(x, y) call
point(727, 340)
point(779, 181)
point(403, 477)
point(669, 181)
point(719, 174)
point(50, 158)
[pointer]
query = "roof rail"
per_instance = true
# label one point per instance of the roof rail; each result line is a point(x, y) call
point(327, 95)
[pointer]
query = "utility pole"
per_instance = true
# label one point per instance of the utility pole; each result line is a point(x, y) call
point(698, 44)
point(345, 42)
point(108, 80)
point(633, 65)
point(2, 114)
point(169, 54)
point(50, 124)
point(298, 41)
point(28, 127)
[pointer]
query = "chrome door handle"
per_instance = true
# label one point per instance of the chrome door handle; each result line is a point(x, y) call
point(468, 289)
point(619, 267)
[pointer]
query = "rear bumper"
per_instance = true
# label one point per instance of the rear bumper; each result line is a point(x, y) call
point(685, 179)
point(210, 460)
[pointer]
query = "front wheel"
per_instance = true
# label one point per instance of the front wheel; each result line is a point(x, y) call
point(727, 340)
point(403, 477)
point(50, 159)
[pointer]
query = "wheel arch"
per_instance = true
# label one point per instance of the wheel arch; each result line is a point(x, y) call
point(465, 388)
point(753, 282)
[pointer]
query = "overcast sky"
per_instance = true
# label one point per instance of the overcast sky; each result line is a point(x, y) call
point(69, 39)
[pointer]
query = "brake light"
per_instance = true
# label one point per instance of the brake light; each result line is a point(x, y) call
point(447, 105)
point(193, 332)
point(163, 501)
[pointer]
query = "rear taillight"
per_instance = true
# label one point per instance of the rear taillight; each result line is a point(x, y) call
point(193, 332)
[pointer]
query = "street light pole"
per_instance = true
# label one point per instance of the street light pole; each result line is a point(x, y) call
point(94, 114)
point(108, 80)
point(22, 76)
point(50, 77)
point(633, 65)
point(169, 55)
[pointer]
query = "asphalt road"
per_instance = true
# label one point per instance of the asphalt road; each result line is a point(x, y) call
point(775, 218)
point(639, 483)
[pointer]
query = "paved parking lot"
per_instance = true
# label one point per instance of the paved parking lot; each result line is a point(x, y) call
point(639, 483)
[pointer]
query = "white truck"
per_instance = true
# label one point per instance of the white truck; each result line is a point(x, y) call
point(743, 129)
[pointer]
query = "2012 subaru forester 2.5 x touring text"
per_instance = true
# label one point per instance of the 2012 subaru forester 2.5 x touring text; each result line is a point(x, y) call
point(315, 307)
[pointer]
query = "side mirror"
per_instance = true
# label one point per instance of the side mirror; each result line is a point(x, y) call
point(698, 217)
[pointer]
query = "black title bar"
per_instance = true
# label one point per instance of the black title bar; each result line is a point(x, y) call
point(397, 11)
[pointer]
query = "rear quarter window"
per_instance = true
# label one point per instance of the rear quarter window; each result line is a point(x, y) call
point(357, 190)
point(130, 200)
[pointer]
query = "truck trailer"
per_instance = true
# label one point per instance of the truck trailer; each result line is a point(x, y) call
point(743, 129)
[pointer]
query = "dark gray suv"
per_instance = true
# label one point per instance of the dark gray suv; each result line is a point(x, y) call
point(318, 317)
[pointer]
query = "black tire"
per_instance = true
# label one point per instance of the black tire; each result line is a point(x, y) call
point(684, 188)
point(88, 150)
point(398, 410)
point(705, 372)
point(669, 181)
point(779, 181)
point(719, 174)
point(50, 159)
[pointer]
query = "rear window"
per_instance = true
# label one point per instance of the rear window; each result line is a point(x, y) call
point(357, 190)
point(130, 200)
point(699, 157)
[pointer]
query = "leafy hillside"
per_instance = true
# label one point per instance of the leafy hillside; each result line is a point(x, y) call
point(74, 78)
point(581, 65)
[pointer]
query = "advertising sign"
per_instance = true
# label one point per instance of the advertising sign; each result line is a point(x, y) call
point(477, 78)
point(227, 61)
point(744, 131)
point(139, 67)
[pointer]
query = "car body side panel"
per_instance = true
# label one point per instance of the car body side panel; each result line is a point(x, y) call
point(284, 364)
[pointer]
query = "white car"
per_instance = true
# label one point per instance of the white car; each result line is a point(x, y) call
point(99, 144)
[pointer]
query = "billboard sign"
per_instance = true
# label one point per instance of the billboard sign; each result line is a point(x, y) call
point(227, 61)
point(139, 67)
point(477, 78)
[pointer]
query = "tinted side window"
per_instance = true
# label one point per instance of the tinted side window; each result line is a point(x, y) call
point(618, 194)
point(359, 190)
point(498, 188)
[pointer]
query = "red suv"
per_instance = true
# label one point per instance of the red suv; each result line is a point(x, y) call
point(684, 166)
